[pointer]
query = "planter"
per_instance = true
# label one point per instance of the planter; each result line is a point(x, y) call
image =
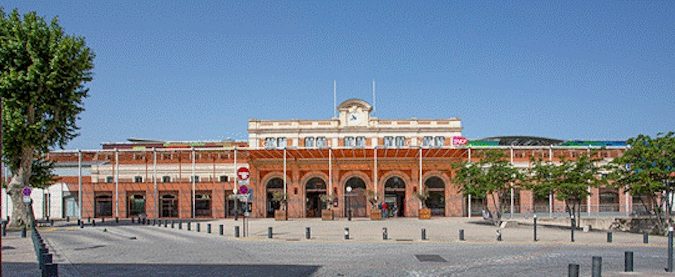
point(327, 215)
point(375, 214)
point(280, 215)
point(424, 213)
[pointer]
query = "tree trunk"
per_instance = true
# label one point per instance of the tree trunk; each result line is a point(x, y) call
point(22, 214)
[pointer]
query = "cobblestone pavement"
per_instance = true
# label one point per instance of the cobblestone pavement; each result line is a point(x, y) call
point(133, 250)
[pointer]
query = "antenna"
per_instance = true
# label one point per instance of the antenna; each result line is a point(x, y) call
point(334, 99)
point(374, 99)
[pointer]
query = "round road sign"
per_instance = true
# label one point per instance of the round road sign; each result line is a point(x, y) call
point(243, 173)
point(243, 190)
point(26, 191)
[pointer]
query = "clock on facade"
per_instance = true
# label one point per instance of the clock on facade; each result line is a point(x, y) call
point(354, 117)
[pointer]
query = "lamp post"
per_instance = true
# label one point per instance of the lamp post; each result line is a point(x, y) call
point(349, 204)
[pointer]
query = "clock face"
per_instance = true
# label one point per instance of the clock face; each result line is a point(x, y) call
point(353, 117)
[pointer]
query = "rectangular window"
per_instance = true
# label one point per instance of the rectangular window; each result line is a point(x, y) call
point(439, 141)
point(138, 179)
point(281, 142)
point(270, 143)
point(400, 141)
point(223, 178)
point(321, 142)
point(195, 178)
point(360, 142)
point(109, 179)
point(166, 179)
point(428, 141)
point(349, 141)
point(388, 141)
point(309, 142)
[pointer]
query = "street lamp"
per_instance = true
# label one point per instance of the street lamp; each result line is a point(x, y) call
point(349, 206)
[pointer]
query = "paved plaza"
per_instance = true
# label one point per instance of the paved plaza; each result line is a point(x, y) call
point(144, 250)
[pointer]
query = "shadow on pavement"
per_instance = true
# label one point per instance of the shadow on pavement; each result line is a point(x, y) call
point(20, 269)
point(194, 270)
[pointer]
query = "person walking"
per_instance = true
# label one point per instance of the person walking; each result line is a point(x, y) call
point(384, 209)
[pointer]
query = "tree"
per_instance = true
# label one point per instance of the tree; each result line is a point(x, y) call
point(492, 176)
point(568, 180)
point(646, 170)
point(43, 71)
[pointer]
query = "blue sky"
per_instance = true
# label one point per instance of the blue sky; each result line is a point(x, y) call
point(198, 70)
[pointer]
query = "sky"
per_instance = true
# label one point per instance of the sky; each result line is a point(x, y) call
point(199, 70)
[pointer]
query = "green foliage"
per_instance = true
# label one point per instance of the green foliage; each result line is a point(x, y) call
point(492, 175)
point(568, 180)
point(42, 72)
point(651, 172)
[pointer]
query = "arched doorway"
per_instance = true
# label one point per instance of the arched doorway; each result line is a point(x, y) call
point(136, 205)
point(436, 201)
point(356, 199)
point(314, 188)
point(394, 195)
point(273, 185)
point(169, 205)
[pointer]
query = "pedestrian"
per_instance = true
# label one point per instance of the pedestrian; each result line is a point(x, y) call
point(384, 209)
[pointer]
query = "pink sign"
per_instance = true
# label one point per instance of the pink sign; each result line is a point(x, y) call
point(458, 141)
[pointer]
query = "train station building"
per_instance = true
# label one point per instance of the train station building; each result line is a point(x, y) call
point(351, 157)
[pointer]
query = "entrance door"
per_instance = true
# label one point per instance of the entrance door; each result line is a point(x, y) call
point(394, 196)
point(274, 186)
point(436, 201)
point(169, 205)
point(136, 205)
point(103, 205)
point(314, 189)
point(355, 201)
point(70, 204)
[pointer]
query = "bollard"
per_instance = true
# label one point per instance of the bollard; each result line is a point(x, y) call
point(461, 234)
point(269, 232)
point(199, 227)
point(166, 223)
point(499, 235)
point(67, 218)
point(220, 229)
point(154, 222)
point(628, 261)
point(424, 234)
point(79, 221)
point(51, 223)
point(93, 222)
point(346, 233)
point(47, 259)
point(133, 220)
point(88, 219)
point(669, 266)
point(23, 232)
point(172, 224)
point(4, 229)
point(180, 225)
point(189, 226)
point(385, 234)
point(609, 237)
point(236, 231)
point(308, 233)
point(535, 227)
point(145, 221)
point(50, 270)
point(573, 270)
point(208, 228)
point(596, 269)
point(117, 220)
point(82, 225)
point(103, 220)
point(645, 237)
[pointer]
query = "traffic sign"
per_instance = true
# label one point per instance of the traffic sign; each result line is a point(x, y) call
point(243, 182)
point(243, 190)
point(26, 191)
point(26, 199)
point(243, 173)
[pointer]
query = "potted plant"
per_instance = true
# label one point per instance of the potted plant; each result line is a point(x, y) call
point(281, 214)
point(375, 212)
point(422, 195)
point(327, 211)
